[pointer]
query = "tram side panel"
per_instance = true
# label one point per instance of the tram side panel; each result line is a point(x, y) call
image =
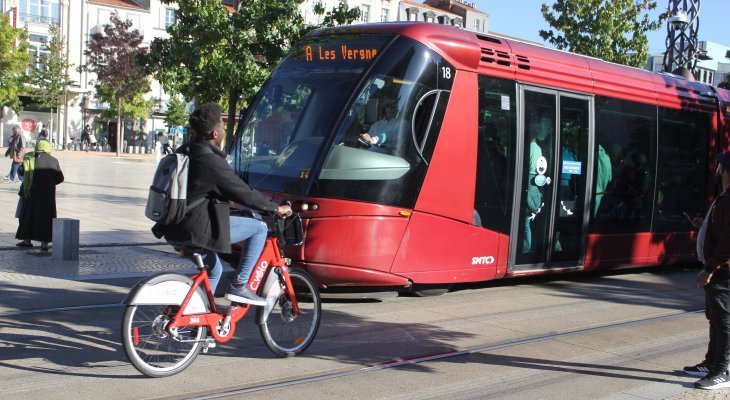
point(441, 245)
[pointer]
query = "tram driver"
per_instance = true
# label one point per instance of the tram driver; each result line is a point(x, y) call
point(387, 125)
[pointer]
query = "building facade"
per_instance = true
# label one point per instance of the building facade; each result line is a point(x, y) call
point(79, 19)
point(446, 12)
point(711, 72)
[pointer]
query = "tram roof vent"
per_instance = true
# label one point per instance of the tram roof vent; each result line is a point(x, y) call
point(522, 62)
point(496, 56)
point(489, 39)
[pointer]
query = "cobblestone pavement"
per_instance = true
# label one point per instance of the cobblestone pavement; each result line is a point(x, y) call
point(93, 263)
point(107, 195)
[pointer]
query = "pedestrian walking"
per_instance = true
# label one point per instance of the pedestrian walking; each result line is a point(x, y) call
point(713, 250)
point(41, 174)
point(166, 148)
point(87, 136)
point(16, 151)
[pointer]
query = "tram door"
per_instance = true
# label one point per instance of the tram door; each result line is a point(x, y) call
point(551, 220)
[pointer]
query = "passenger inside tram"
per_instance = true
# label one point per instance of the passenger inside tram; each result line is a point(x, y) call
point(604, 175)
point(539, 129)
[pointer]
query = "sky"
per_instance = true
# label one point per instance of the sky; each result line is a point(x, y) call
point(523, 19)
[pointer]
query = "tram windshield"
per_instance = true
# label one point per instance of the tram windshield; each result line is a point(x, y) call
point(346, 116)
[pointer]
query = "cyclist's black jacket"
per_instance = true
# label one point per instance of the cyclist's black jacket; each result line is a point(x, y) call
point(209, 175)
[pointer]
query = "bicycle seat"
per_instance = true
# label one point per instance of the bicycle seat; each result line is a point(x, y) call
point(187, 251)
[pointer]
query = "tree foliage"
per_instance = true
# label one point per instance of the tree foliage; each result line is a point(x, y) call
point(112, 57)
point(613, 30)
point(136, 107)
point(50, 78)
point(340, 15)
point(14, 61)
point(176, 112)
point(214, 55)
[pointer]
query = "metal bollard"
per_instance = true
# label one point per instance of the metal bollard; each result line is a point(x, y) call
point(65, 239)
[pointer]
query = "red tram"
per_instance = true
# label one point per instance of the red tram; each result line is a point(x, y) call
point(421, 154)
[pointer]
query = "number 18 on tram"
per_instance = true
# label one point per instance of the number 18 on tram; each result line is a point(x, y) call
point(421, 154)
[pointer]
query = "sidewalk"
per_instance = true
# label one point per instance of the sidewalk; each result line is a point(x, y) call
point(107, 194)
point(100, 262)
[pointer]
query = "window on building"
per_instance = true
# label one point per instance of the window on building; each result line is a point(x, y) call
point(135, 21)
point(39, 11)
point(477, 25)
point(169, 17)
point(365, 13)
point(384, 15)
point(38, 48)
point(104, 16)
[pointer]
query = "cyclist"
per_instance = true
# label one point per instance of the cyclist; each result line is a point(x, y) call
point(209, 225)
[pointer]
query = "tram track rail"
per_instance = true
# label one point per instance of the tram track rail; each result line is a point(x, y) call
point(432, 357)
point(264, 387)
point(59, 309)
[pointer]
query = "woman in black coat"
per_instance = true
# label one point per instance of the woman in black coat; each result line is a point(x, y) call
point(41, 173)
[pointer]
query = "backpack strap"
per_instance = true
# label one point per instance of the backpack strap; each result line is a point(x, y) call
point(196, 203)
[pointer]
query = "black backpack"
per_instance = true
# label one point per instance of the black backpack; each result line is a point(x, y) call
point(167, 199)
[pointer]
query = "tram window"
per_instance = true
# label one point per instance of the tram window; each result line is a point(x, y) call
point(495, 153)
point(683, 168)
point(625, 166)
point(383, 145)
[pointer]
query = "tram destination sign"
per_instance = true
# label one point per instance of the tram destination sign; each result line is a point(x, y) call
point(341, 52)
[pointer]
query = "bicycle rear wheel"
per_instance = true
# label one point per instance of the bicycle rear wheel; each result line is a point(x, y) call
point(151, 348)
point(288, 335)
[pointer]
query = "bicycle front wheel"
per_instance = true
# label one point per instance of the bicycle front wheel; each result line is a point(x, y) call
point(151, 348)
point(287, 334)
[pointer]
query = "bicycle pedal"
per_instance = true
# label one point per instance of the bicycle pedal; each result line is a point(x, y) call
point(209, 344)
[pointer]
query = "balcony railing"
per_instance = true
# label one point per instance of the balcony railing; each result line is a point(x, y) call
point(37, 19)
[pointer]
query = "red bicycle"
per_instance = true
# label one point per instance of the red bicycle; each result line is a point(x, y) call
point(170, 318)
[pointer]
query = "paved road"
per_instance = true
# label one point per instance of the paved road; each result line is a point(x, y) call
point(612, 337)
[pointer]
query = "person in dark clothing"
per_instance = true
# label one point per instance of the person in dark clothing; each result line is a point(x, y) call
point(209, 225)
point(713, 250)
point(41, 173)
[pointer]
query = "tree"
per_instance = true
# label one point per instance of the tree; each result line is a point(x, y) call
point(112, 57)
point(613, 30)
point(50, 78)
point(176, 112)
point(214, 55)
point(14, 61)
point(340, 15)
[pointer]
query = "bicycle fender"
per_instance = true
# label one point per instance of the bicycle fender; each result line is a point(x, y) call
point(272, 291)
point(167, 289)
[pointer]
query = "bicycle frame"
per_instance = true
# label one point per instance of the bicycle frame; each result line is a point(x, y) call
point(222, 326)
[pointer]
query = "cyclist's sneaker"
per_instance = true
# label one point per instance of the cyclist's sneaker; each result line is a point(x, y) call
point(714, 381)
point(700, 369)
point(238, 293)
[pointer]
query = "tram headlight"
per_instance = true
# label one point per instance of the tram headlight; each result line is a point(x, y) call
point(306, 206)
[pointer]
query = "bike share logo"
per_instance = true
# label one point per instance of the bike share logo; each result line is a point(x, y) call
point(484, 260)
point(258, 275)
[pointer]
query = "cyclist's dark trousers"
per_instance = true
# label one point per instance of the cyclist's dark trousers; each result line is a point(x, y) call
point(717, 310)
